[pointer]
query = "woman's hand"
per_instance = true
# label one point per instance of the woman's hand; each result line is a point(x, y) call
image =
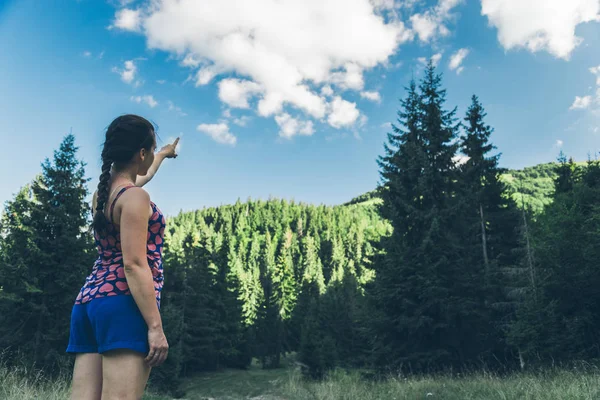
point(159, 348)
point(170, 150)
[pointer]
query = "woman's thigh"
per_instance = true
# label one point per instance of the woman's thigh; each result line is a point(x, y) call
point(125, 374)
point(87, 377)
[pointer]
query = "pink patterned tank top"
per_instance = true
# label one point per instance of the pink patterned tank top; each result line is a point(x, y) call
point(108, 274)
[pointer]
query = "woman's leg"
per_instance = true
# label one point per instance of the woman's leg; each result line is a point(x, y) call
point(125, 374)
point(87, 377)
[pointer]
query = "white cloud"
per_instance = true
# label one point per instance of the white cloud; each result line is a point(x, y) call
point(206, 74)
point(127, 20)
point(596, 71)
point(87, 54)
point(435, 59)
point(290, 127)
point(241, 121)
point(288, 48)
point(383, 4)
point(581, 102)
point(148, 99)
point(161, 81)
point(128, 73)
point(218, 132)
point(190, 61)
point(350, 78)
point(343, 113)
point(432, 23)
point(175, 109)
point(456, 60)
point(327, 90)
point(559, 144)
point(540, 25)
point(101, 55)
point(235, 92)
point(373, 96)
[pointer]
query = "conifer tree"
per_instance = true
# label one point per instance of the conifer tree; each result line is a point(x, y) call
point(49, 250)
point(420, 283)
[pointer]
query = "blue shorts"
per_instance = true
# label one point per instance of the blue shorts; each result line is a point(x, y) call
point(108, 323)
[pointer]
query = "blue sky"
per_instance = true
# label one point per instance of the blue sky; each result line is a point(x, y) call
point(290, 99)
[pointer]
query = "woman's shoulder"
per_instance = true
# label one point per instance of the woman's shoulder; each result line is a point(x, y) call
point(136, 194)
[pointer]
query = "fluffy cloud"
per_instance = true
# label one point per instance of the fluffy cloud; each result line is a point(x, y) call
point(581, 102)
point(87, 54)
point(457, 59)
point(432, 23)
point(373, 96)
point(148, 99)
point(127, 20)
point(218, 132)
point(596, 71)
point(435, 59)
point(241, 121)
point(128, 73)
point(291, 50)
point(383, 4)
point(559, 144)
point(343, 113)
point(538, 25)
point(350, 78)
point(290, 127)
point(235, 92)
point(327, 91)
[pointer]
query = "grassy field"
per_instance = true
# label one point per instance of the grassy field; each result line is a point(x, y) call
point(258, 384)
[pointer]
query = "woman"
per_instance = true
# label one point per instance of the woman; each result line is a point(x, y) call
point(116, 328)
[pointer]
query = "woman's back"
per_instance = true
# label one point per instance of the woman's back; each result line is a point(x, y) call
point(108, 275)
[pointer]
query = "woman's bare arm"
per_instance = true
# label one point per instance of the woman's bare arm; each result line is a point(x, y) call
point(168, 151)
point(134, 227)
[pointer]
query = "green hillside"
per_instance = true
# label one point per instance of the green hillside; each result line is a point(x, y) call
point(530, 186)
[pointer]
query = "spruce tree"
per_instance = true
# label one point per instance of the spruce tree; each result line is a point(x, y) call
point(423, 309)
point(557, 318)
point(490, 225)
point(49, 250)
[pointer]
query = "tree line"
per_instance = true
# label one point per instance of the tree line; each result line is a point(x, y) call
point(447, 265)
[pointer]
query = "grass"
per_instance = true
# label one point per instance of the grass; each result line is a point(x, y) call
point(287, 383)
point(21, 384)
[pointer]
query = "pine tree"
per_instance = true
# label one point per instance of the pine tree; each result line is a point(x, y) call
point(52, 261)
point(419, 288)
point(283, 298)
point(201, 319)
point(557, 318)
point(490, 229)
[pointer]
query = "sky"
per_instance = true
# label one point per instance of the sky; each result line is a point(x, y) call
point(288, 98)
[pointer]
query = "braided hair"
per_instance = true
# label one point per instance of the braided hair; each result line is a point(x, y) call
point(125, 137)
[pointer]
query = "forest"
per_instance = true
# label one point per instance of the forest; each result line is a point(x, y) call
point(446, 265)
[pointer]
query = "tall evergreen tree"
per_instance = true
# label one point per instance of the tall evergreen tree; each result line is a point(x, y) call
point(557, 319)
point(490, 229)
point(48, 248)
point(421, 287)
